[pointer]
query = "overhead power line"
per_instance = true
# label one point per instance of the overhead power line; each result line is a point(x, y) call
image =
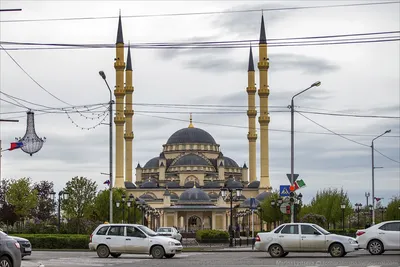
point(370, 37)
point(344, 137)
point(203, 13)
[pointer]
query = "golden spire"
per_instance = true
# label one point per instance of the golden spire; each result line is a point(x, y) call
point(191, 124)
point(194, 184)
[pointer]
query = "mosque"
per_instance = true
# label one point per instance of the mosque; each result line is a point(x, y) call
point(182, 184)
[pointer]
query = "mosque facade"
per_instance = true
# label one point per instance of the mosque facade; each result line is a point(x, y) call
point(183, 182)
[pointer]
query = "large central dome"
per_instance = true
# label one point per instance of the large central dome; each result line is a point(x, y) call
point(191, 135)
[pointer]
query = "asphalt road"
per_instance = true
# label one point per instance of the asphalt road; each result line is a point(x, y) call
point(211, 259)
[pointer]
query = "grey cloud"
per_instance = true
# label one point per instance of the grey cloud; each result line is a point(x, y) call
point(278, 62)
point(247, 24)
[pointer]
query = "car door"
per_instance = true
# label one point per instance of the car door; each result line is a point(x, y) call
point(115, 239)
point(389, 233)
point(289, 237)
point(136, 241)
point(100, 236)
point(311, 239)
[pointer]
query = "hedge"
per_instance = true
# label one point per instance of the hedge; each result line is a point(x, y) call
point(57, 241)
point(212, 236)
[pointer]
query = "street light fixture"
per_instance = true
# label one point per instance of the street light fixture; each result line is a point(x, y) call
point(110, 103)
point(316, 84)
point(373, 175)
point(358, 206)
point(238, 195)
point(343, 206)
point(62, 195)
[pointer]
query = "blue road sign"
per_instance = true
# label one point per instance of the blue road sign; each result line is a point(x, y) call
point(284, 190)
point(253, 204)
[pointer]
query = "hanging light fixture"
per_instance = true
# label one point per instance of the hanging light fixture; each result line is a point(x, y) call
point(32, 142)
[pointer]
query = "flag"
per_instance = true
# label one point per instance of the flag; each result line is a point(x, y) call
point(107, 182)
point(378, 198)
point(299, 184)
point(15, 145)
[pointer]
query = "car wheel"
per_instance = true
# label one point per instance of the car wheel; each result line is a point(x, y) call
point(103, 251)
point(168, 256)
point(5, 262)
point(336, 250)
point(115, 255)
point(375, 247)
point(276, 251)
point(157, 252)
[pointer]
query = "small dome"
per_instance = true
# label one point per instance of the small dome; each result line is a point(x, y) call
point(152, 164)
point(190, 184)
point(174, 196)
point(129, 185)
point(212, 185)
point(254, 184)
point(147, 197)
point(228, 162)
point(191, 160)
point(263, 196)
point(149, 184)
point(172, 184)
point(246, 203)
point(191, 135)
point(213, 195)
point(194, 196)
point(233, 184)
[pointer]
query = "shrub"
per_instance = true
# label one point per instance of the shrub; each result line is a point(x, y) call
point(212, 236)
point(57, 241)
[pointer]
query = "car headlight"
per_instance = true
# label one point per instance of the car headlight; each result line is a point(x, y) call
point(352, 241)
point(170, 243)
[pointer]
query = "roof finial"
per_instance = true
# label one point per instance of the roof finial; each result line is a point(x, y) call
point(191, 121)
point(194, 184)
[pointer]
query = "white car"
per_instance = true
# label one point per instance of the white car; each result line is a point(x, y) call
point(170, 231)
point(303, 237)
point(380, 237)
point(116, 239)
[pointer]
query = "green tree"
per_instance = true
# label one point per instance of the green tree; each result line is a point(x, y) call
point(22, 197)
point(45, 206)
point(271, 214)
point(7, 212)
point(327, 203)
point(102, 204)
point(393, 209)
point(81, 195)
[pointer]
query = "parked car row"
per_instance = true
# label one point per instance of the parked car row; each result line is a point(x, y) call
point(307, 237)
point(13, 249)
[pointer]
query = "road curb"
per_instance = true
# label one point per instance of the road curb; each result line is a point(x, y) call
point(187, 251)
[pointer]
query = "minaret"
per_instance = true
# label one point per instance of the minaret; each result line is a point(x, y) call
point(119, 119)
point(252, 113)
point(264, 119)
point(128, 117)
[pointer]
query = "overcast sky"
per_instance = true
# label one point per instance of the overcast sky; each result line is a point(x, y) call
point(358, 79)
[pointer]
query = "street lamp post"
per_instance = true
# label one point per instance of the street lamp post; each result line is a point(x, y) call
point(371, 210)
point(382, 209)
point(62, 195)
point(238, 194)
point(103, 75)
point(343, 206)
point(358, 206)
point(318, 83)
point(373, 175)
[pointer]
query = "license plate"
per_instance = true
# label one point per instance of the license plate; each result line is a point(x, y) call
point(28, 249)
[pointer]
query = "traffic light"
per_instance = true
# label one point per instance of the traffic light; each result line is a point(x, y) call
point(291, 194)
point(287, 209)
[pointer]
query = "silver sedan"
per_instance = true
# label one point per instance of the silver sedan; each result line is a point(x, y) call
point(170, 232)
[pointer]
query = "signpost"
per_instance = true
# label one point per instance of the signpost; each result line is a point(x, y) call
point(284, 190)
point(295, 176)
point(284, 208)
point(253, 206)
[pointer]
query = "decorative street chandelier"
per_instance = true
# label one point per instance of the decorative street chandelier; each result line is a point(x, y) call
point(32, 142)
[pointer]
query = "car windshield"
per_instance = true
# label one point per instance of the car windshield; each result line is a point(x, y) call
point(147, 230)
point(322, 230)
point(163, 230)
